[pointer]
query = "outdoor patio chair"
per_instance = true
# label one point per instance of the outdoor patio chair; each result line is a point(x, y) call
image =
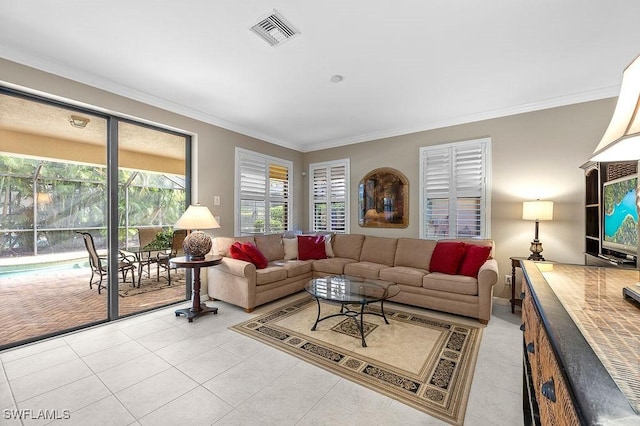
point(98, 263)
point(146, 257)
point(164, 259)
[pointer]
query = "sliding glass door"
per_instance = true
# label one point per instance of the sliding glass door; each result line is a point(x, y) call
point(151, 197)
point(78, 189)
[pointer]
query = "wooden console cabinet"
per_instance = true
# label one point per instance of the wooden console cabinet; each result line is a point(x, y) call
point(580, 345)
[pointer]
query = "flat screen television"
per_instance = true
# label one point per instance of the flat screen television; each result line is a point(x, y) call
point(620, 218)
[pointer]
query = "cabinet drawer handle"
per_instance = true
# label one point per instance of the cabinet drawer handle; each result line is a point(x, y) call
point(531, 348)
point(522, 327)
point(548, 389)
point(522, 295)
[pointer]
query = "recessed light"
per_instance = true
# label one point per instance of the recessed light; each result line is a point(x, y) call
point(336, 78)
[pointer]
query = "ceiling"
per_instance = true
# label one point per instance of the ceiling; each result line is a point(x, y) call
point(26, 116)
point(407, 65)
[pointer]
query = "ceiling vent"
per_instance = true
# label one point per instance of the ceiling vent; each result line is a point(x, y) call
point(274, 29)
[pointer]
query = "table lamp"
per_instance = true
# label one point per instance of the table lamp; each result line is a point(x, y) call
point(197, 244)
point(537, 210)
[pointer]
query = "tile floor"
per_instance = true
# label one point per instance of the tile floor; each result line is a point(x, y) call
point(156, 369)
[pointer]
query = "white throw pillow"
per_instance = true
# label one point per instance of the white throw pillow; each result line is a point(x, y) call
point(328, 248)
point(290, 248)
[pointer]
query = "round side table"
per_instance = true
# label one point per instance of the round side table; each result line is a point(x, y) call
point(197, 308)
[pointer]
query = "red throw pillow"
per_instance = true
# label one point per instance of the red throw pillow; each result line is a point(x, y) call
point(256, 256)
point(474, 257)
point(236, 252)
point(311, 247)
point(446, 257)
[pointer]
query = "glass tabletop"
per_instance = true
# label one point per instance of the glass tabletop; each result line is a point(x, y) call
point(349, 289)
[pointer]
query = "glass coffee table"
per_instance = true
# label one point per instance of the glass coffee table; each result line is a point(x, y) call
point(347, 291)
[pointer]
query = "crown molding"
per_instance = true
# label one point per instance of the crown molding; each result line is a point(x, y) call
point(576, 98)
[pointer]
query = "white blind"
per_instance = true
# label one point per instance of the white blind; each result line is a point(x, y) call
point(263, 193)
point(253, 180)
point(329, 196)
point(455, 195)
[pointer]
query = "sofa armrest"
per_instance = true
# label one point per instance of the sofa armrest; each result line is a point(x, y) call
point(487, 278)
point(488, 274)
point(237, 267)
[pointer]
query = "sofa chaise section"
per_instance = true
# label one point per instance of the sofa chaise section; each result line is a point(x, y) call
point(457, 294)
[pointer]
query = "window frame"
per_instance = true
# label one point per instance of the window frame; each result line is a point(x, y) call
point(485, 201)
point(343, 162)
point(268, 198)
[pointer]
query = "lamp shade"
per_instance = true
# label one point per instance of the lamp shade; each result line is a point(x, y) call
point(197, 217)
point(621, 141)
point(537, 210)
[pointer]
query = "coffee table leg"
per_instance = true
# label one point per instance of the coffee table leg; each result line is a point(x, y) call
point(318, 317)
point(382, 310)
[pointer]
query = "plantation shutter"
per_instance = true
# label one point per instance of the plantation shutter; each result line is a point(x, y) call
point(469, 178)
point(253, 182)
point(320, 199)
point(329, 196)
point(263, 193)
point(437, 184)
point(455, 190)
point(278, 198)
point(338, 193)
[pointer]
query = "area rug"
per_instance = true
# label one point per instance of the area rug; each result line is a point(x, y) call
point(149, 284)
point(426, 362)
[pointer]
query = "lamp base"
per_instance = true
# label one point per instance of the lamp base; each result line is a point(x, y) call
point(535, 256)
point(535, 249)
point(196, 245)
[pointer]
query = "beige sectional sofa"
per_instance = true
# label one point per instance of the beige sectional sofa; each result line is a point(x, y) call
point(404, 261)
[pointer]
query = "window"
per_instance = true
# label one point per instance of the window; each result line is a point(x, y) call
point(455, 190)
point(263, 193)
point(329, 200)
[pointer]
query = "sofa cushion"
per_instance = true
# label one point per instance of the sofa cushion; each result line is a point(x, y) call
point(334, 265)
point(290, 246)
point(328, 248)
point(451, 283)
point(379, 250)
point(414, 253)
point(348, 245)
point(294, 268)
point(404, 275)
point(474, 257)
point(364, 269)
point(270, 274)
point(236, 252)
point(311, 247)
point(446, 257)
point(256, 256)
point(270, 246)
point(223, 244)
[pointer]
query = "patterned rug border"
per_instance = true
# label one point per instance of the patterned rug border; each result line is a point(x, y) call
point(441, 391)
